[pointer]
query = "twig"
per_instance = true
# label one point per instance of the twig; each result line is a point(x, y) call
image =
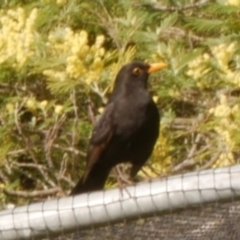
point(95, 88)
point(5, 87)
point(211, 161)
point(50, 138)
point(33, 194)
point(63, 168)
point(30, 165)
point(27, 146)
point(76, 119)
point(16, 152)
point(189, 161)
point(90, 111)
point(194, 146)
point(177, 32)
point(3, 177)
point(69, 181)
point(70, 149)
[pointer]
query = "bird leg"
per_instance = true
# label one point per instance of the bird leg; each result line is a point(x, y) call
point(122, 179)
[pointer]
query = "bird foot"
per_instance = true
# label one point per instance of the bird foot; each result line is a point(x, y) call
point(122, 180)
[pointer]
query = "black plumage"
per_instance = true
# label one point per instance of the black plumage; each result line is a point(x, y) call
point(126, 131)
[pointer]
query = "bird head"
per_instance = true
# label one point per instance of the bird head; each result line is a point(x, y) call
point(135, 75)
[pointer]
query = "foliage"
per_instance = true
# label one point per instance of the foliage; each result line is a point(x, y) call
point(58, 60)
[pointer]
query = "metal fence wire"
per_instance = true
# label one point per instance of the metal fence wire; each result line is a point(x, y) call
point(197, 205)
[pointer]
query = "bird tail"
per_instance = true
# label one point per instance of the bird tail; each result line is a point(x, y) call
point(92, 181)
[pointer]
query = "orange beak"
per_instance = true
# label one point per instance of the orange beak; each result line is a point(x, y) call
point(156, 67)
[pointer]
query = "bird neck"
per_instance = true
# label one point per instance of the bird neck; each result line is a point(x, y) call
point(132, 95)
point(129, 88)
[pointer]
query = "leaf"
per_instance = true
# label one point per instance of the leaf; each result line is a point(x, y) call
point(186, 58)
point(204, 25)
point(224, 10)
point(61, 87)
point(169, 21)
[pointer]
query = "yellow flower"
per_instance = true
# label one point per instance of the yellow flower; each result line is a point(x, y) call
point(31, 104)
point(99, 41)
point(10, 108)
point(58, 109)
point(17, 36)
point(233, 2)
point(100, 110)
point(97, 63)
point(155, 98)
point(43, 104)
point(61, 2)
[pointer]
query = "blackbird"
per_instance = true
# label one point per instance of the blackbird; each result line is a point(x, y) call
point(126, 131)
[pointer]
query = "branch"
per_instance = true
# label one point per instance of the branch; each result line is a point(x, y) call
point(30, 165)
point(180, 33)
point(3, 177)
point(107, 23)
point(51, 136)
point(91, 115)
point(160, 7)
point(26, 141)
point(95, 88)
point(33, 194)
point(213, 159)
point(72, 150)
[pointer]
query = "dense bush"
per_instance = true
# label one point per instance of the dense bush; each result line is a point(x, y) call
point(58, 60)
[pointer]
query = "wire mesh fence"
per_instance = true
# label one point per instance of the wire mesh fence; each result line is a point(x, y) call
point(197, 205)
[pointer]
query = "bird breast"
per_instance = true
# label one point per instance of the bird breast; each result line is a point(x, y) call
point(130, 116)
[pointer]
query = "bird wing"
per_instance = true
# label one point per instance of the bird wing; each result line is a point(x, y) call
point(103, 126)
point(102, 134)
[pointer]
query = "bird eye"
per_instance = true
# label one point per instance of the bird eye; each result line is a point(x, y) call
point(137, 71)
